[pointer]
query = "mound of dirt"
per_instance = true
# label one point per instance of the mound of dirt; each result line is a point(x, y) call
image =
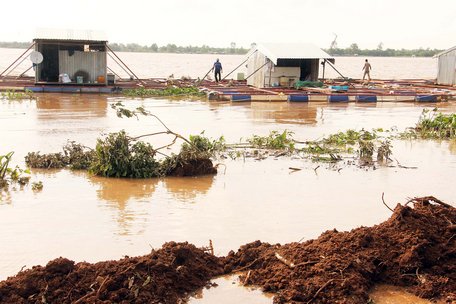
point(164, 276)
point(415, 248)
point(194, 167)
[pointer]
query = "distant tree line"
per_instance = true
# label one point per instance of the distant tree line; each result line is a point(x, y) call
point(354, 50)
point(172, 48)
point(153, 48)
point(15, 45)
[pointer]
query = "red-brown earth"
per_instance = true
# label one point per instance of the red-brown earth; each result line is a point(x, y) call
point(414, 248)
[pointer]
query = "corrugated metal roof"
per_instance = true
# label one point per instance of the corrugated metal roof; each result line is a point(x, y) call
point(276, 51)
point(445, 52)
point(68, 34)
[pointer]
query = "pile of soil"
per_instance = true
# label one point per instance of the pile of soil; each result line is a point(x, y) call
point(415, 248)
point(194, 167)
point(164, 276)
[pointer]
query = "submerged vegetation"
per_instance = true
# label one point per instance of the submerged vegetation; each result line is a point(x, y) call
point(275, 140)
point(9, 175)
point(169, 91)
point(74, 156)
point(17, 95)
point(433, 125)
point(120, 155)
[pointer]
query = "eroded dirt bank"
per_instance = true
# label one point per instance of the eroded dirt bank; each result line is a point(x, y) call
point(415, 248)
point(164, 276)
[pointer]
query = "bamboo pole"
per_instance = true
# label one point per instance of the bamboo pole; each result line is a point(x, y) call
point(205, 76)
point(125, 70)
point(33, 44)
point(240, 65)
point(335, 69)
point(124, 64)
point(257, 70)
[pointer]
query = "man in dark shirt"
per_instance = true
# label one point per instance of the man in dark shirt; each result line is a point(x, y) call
point(217, 70)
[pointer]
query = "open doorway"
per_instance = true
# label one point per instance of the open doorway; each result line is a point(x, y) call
point(49, 68)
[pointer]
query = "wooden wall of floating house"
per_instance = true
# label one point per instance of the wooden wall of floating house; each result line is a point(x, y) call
point(94, 63)
point(446, 74)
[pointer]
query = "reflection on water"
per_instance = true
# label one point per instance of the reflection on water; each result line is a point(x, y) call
point(71, 106)
point(285, 113)
point(117, 192)
point(229, 290)
point(188, 189)
point(387, 294)
point(452, 146)
point(121, 190)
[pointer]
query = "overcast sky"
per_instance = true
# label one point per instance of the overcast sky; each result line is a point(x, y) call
point(395, 23)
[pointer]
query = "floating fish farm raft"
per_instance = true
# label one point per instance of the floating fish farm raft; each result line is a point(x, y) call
point(407, 90)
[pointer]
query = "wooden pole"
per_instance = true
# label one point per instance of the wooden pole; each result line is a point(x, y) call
point(24, 72)
point(118, 64)
point(114, 72)
point(335, 69)
point(239, 65)
point(257, 70)
point(124, 64)
point(204, 76)
point(33, 44)
point(16, 66)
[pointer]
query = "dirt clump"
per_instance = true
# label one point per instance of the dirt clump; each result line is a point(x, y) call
point(166, 275)
point(194, 167)
point(415, 248)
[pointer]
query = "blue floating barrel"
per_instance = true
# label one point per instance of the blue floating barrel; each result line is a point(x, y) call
point(239, 97)
point(366, 98)
point(339, 88)
point(426, 98)
point(338, 98)
point(34, 89)
point(298, 98)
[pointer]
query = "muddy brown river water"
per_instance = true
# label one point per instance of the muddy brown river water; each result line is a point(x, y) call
point(87, 218)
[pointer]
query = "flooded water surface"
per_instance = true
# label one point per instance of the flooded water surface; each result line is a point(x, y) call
point(88, 218)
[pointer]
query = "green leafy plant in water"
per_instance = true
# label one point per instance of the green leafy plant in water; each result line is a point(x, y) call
point(17, 95)
point(366, 149)
point(74, 155)
point(384, 151)
point(10, 175)
point(198, 149)
point(275, 140)
point(168, 91)
point(117, 156)
point(78, 157)
point(434, 125)
point(37, 186)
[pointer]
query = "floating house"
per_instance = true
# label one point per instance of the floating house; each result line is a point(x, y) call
point(446, 74)
point(70, 57)
point(282, 64)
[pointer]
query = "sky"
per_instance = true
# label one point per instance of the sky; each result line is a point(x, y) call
point(394, 23)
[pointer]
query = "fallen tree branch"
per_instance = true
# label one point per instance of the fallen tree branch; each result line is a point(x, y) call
point(383, 200)
point(428, 199)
